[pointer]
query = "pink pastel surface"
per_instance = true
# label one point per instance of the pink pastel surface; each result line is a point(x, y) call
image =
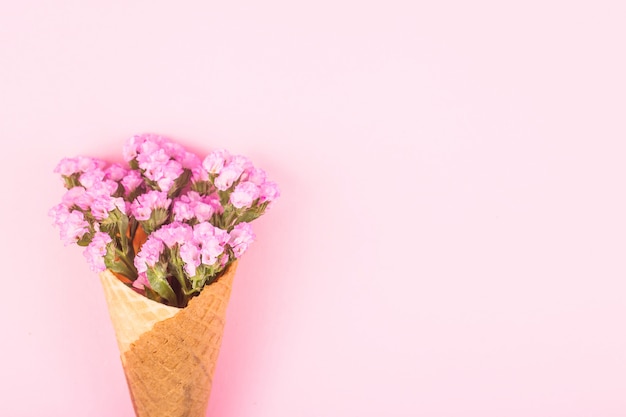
point(451, 236)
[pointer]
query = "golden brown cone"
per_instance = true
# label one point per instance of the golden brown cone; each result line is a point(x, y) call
point(169, 367)
point(131, 313)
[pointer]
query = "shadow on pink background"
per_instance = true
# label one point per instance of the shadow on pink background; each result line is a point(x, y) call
point(450, 236)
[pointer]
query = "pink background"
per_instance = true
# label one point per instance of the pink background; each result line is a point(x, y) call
point(451, 237)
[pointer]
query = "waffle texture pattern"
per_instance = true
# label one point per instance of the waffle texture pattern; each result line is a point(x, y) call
point(169, 359)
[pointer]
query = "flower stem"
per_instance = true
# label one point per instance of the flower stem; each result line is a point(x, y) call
point(129, 266)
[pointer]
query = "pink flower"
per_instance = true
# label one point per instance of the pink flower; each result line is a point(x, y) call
point(151, 144)
point(240, 238)
point(66, 167)
point(189, 160)
point(227, 177)
point(174, 234)
point(142, 281)
point(190, 254)
point(255, 175)
point(73, 228)
point(173, 149)
point(104, 204)
point(144, 204)
point(131, 181)
point(210, 251)
point(215, 161)
point(193, 205)
point(269, 191)
point(89, 178)
point(241, 163)
point(69, 166)
point(182, 209)
point(97, 249)
point(115, 172)
point(202, 232)
point(59, 214)
point(211, 241)
point(158, 166)
point(151, 158)
point(198, 174)
point(205, 208)
point(77, 196)
point(149, 254)
point(245, 193)
point(168, 174)
point(129, 151)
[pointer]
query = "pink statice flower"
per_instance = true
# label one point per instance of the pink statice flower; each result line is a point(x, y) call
point(173, 149)
point(193, 205)
point(183, 209)
point(190, 254)
point(131, 146)
point(168, 174)
point(207, 206)
point(254, 175)
point(89, 178)
point(241, 163)
point(99, 191)
point(79, 197)
point(131, 181)
point(181, 235)
point(211, 241)
point(69, 166)
point(172, 234)
point(199, 173)
point(215, 161)
point(144, 204)
point(73, 228)
point(244, 194)
point(103, 204)
point(157, 163)
point(228, 175)
point(66, 167)
point(96, 250)
point(115, 172)
point(189, 160)
point(178, 216)
point(142, 281)
point(232, 171)
point(151, 158)
point(59, 214)
point(240, 238)
point(269, 192)
point(149, 254)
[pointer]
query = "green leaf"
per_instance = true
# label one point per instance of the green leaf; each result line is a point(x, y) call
point(157, 218)
point(113, 218)
point(179, 184)
point(136, 192)
point(158, 282)
point(202, 187)
point(85, 240)
point(150, 183)
point(153, 295)
point(122, 228)
point(249, 215)
point(120, 191)
point(72, 180)
point(224, 197)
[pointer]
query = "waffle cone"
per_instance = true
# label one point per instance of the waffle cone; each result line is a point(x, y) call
point(168, 354)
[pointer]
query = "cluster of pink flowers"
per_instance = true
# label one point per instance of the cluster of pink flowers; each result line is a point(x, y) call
point(187, 218)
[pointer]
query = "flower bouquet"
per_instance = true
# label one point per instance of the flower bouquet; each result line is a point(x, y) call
point(165, 231)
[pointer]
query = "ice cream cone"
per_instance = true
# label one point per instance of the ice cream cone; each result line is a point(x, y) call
point(168, 353)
